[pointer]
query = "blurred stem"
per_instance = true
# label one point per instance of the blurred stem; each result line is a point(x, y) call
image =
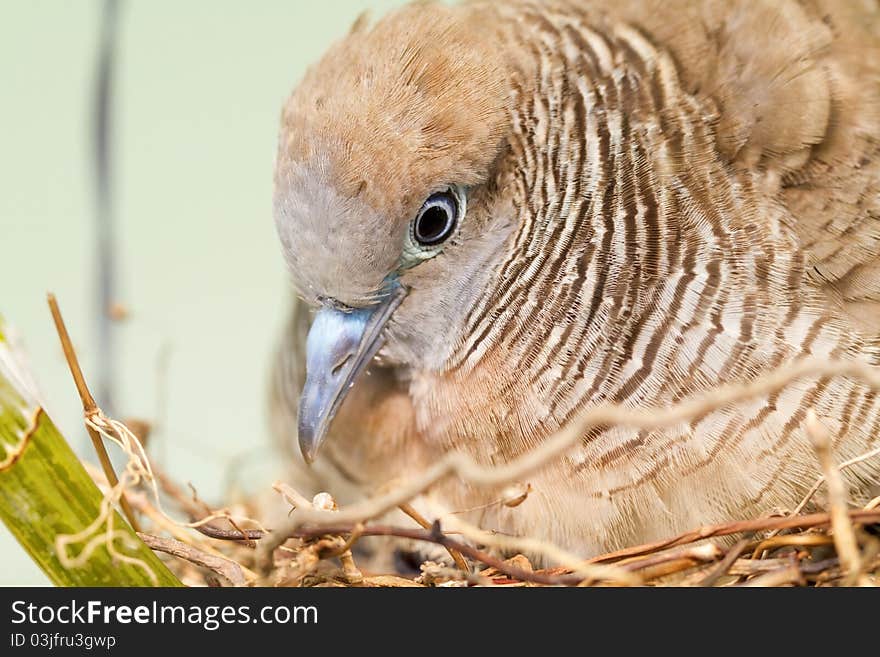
point(104, 204)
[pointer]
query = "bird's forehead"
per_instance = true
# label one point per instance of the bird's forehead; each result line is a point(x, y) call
point(414, 102)
point(336, 245)
point(359, 164)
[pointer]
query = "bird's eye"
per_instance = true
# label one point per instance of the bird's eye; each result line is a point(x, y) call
point(436, 220)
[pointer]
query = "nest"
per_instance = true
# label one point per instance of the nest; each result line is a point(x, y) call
point(818, 549)
point(226, 547)
point(315, 545)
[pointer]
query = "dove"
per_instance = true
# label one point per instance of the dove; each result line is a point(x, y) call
point(496, 216)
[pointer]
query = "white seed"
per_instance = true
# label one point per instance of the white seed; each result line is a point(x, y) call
point(515, 494)
point(324, 502)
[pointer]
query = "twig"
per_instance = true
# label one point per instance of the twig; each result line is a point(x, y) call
point(750, 567)
point(706, 553)
point(293, 496)
point(249, 542)
point(821, 480)
point(736, 570)
point(246, 535)
point(841, 528)
point(667, 568)
point(819, 567)
point(90, 407)
point(226, 567)
point(729, 559)
point(799, 540)
point(667, 563)
point(738, 527)
point(423, 522)
point(457, 463)
point(782, 577)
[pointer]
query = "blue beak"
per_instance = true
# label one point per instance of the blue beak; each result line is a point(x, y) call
point(340, 344)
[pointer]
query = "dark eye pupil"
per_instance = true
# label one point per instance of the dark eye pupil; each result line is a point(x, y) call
point(437, 221)
point(432, 224)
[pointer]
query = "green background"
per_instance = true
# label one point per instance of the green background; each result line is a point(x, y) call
point(199, 91)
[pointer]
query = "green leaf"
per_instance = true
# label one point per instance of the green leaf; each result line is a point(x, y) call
point(46, 492)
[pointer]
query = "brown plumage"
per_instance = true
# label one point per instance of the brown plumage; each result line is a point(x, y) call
point(652, 200)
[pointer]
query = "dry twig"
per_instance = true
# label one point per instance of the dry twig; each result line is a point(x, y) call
point(842, 531)
point(90, 407)
point(674, 561)
point(227, 568)
point(726, 563)
point(737, 527)
point(821, 480)
point(783, 577)
point(423, 522)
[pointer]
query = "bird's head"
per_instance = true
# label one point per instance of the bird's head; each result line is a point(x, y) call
point(381, 189)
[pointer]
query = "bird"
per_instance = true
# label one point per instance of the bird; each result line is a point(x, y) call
point(498, 215)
